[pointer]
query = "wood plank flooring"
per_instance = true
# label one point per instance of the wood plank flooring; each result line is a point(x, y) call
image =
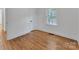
point(0, 29)
point(39, 40)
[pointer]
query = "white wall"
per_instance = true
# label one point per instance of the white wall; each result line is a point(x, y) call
point(78, 25)
point(67, 22)
point(0, 16)
point(16, 20)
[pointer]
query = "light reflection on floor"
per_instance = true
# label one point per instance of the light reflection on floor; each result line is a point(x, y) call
point(53, 44)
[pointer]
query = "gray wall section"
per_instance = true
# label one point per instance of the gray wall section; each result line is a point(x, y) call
point(67, 19)
point(17, 20)
point(78, 26)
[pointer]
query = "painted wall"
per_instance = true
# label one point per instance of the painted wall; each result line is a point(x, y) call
point(78, 25)
point(16, 21)
point(0, 16)
point(67, 22)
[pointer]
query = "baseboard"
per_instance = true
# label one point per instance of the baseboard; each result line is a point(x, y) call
point(55, 33)
point(10, 37)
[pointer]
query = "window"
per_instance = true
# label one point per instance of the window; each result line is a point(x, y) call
point(52, 16)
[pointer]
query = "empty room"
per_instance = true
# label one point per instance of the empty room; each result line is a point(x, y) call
point(39, 29)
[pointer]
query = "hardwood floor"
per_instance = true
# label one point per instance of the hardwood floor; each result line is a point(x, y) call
point(0, 29)
point(1, 46)
point(39, 40)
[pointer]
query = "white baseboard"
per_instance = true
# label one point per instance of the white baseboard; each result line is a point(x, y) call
point(10, 37)
point(57, 33)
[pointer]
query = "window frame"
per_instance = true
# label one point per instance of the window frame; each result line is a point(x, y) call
point(51, 14)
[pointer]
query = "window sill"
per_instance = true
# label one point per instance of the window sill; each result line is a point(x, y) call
point(54, 24)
